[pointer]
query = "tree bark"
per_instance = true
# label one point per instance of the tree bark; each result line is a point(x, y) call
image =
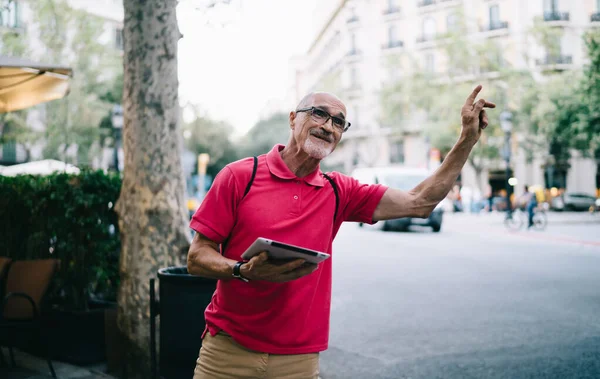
point(151, 206)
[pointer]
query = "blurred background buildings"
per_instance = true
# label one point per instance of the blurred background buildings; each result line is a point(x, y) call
point(364, 46)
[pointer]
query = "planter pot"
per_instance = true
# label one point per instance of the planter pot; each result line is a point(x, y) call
point(183, 299)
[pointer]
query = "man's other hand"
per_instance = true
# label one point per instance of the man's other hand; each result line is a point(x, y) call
point(260, 267)
point(473, 116)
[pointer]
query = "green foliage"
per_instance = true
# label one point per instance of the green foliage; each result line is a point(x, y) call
point(203, 135)
point(547, 36)
point(261, 138)
point(555, 114)
point(563, 108)
point(68, 217)
point(590, 90)
point(440, 99)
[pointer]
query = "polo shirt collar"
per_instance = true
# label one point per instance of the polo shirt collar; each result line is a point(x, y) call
point(278, 168)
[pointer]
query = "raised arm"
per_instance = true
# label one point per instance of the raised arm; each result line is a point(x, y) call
point(421, 200)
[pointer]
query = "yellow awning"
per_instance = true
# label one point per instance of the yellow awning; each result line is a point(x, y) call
point(25, 83)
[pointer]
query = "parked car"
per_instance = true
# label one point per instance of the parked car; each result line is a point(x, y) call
point(573, 201)
point(405, 179)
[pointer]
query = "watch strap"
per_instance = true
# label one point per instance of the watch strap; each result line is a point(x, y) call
point(237, 271)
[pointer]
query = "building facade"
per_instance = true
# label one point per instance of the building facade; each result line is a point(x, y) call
point(349, 56)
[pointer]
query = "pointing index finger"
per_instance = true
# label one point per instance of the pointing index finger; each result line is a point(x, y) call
point(473, 96)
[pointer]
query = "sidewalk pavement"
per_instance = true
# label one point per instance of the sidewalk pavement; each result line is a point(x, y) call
point(32, 367)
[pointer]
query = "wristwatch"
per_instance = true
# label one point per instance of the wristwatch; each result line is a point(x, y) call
point(237, 272)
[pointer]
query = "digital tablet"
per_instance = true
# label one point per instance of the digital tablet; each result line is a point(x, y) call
point(280, 250)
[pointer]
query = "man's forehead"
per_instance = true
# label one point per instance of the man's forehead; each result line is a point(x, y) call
point(328, 102)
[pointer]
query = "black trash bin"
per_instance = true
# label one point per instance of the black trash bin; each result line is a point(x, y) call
point(181, 304)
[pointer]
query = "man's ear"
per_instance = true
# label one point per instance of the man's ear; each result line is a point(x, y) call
point(292, 118)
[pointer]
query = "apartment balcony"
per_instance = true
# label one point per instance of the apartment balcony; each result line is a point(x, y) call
point(392, 45)
point(20, 28)
point(425, 3)
point(556, 16)
point(557, 62)
point(595, 17)
point(426, 41)
point(353, 55)
point(495, 29)
point(392, 10)
point(495, 25)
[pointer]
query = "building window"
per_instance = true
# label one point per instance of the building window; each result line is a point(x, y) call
point(353, 78)
point(550, 5)
point(353, 17)
point(397, 152)
point(353, 49)
point(9, 15)
point(392, 7)
point(430, 63)
point(119, 38)
point(428, 29)
point(452, 22)
point(392, 34)
point(494, 15)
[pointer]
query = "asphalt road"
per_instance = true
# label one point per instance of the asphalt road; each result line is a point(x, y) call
point(473, 301)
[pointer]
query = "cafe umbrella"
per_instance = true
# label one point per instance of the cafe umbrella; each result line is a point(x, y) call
point(25, 83)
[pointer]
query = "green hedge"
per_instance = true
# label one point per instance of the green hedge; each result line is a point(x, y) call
point(69, 217)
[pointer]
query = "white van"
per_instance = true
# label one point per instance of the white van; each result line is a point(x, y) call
point(403, 178)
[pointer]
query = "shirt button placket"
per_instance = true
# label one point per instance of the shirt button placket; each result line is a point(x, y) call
point(296, 198)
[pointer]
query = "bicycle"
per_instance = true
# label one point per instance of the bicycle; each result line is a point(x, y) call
point(517, 218)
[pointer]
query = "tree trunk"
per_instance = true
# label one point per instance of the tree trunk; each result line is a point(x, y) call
point(151, 207)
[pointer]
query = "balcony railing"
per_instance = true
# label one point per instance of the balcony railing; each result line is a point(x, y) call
point(424, 3)
point(391, 10)
point(352, 19)
point(556, 16)
point(425, 38)
point(495, 25)
point(393, 44)
point(19, 28)
point(595, 17)
point(554, 60)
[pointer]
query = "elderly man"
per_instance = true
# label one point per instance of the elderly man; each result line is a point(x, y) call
point(270, 319)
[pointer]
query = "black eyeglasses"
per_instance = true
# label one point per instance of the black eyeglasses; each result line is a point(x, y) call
point(322, 117)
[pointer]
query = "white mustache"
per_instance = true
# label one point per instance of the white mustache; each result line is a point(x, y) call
point(322, 136)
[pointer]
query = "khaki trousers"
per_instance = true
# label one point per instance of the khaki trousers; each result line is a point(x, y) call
point(222, 358)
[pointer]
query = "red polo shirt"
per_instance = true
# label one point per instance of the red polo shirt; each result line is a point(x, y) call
point(278, 318)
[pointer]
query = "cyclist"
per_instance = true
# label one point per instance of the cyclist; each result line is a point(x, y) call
point(529, 202)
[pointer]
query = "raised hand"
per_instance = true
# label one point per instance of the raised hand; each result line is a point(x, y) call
point(473, 116)
point(260, 267)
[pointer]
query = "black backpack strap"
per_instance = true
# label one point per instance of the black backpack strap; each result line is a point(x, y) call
point(224, 244)
point(335, 191)
point(252, 177)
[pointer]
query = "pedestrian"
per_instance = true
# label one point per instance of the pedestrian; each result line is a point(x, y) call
point(267, 318)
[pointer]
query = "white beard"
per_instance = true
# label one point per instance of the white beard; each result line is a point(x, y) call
point(317, 150)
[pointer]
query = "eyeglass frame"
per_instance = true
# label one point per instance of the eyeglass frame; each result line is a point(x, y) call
point(312, 109)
